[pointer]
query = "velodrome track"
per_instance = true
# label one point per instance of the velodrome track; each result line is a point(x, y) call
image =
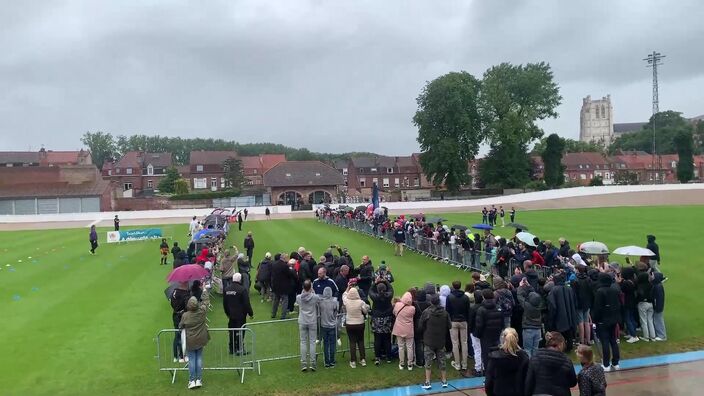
point(568, 198)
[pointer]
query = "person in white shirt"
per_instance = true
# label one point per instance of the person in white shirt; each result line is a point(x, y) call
point(193, 228)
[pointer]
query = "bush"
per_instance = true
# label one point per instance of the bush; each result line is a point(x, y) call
point(536, 185)
point(596, 181)
point(205, 195)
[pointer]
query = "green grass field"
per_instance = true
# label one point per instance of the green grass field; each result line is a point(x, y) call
point(81, 324)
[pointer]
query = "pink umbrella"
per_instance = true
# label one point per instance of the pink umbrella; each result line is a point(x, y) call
point(186, 273)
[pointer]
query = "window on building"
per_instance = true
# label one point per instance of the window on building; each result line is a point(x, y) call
point(150, 170)
point(199, 183)
point(254, 171)
point(363, 182)
point(397, 182)
point(580, 166)
point(673, 164)
point(199, 168)
point(117, 171)
point(416, 182)
point(317, 174)
point(583, 176)
point(375, 180)
point(288, 175)
point(603, 112)
point(223, 184)
point(389, 170)
point(129, 171)
point(406, 182)
point(344, 171)
point(127, 186)
point(150, 184)
point(213, 182)
point(607, 175)
point(386, 182)
point(373, 169)
point(109, 172)
point(586, 166)
point(597, 111)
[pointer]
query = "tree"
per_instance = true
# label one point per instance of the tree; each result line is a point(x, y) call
point(685, 162)
point(181, 187)
point(512, 99)
point(667, 125)
point(699, 137)
point(234, 175)
point(506, 166)
point(554, 171)
point(596, 181)
point(572, 146)
point(625, 178)
point(449, 125)
point(167, 183)
point(101, 146)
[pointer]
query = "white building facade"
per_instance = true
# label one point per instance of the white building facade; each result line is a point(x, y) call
point(597, 120)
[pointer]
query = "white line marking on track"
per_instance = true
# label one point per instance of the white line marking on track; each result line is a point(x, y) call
point(94, 223)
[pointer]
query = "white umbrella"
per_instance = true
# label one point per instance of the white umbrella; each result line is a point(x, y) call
point(593, 247)
point(526, 237)
point(634, 251)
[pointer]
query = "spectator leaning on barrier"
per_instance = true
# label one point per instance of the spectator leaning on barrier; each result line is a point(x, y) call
point(236, 303)
point(193, 323)
point(308, 325)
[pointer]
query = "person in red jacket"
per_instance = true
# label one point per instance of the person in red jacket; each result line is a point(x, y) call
point(536, 258)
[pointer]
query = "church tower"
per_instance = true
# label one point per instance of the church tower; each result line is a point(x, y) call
point(596, 120)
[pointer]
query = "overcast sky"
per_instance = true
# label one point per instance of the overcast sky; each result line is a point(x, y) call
point(328, 75)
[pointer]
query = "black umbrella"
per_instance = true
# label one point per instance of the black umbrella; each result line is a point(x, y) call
point(519, 226)
point(435, 220)
point(460, 227)
point(361, 208)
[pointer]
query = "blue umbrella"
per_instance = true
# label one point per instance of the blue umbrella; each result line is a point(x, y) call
point(203, 233)
point(482, 227)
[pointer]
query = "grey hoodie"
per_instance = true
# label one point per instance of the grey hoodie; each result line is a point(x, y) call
point(329, 307)
point(307, 308)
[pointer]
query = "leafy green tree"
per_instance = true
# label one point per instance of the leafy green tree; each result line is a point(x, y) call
point(181, 187)
point(554, 171)
point(234, 174)
point(596, 181)
point(167, 182)
point(506, 166)
point(449, 128)
point(667, 125)
point(101, 146)
point(572, 146)
point(699, 137)
point(513, 98)
point(685, 162)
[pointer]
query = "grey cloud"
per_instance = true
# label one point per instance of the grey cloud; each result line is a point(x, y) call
point(330, 76)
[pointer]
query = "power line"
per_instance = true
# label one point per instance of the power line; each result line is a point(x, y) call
point(654, 60)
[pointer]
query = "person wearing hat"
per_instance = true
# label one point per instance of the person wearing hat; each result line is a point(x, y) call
point(384, 273)
point(434, 325)
point(237, 306)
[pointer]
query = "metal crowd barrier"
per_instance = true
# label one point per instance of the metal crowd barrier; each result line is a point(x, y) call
point(467, 260)
point(216, 354)
point(280, 340)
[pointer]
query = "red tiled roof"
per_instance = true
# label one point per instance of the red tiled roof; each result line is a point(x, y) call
point(137, 159)
point(64, 157)
point(10, 157)
point(210, 157)
point(302, 173)
point(250, 162)
point(574, 160)
point(269, 161)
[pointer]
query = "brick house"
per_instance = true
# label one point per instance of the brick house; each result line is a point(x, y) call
point(583, 167)
point(206, 169)
point(303, 182)
point(641, 163)
point(138, 172)
point(254, 167)
point(53, 189)
point(391, 174)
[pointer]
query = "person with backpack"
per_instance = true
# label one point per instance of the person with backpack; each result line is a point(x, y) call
point(584, 293)
point(504, 300)
point(434, 324)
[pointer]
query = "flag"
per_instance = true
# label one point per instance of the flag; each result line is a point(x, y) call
point(375, 196)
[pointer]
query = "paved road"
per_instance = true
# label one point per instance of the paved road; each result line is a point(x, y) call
point(683, 379)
